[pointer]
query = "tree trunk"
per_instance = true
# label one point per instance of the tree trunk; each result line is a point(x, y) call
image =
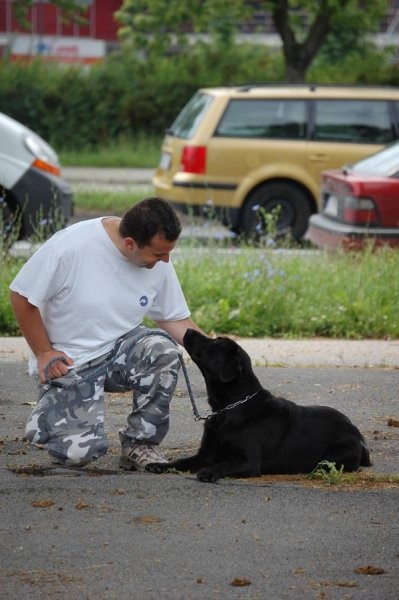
point(299, 55)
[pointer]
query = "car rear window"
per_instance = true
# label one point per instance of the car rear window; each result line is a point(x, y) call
point(276, 119)
point(359, 122)
point(186, 123)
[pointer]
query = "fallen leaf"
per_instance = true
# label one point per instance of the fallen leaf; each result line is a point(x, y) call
point(369, 570)
point(43, 503)
point(144, 519)
point(118, 492)
point(81, 505)
point(240, 582)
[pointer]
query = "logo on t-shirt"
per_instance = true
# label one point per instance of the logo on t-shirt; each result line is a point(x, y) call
point(143, 301)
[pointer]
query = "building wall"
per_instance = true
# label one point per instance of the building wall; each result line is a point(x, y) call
point(49, 36)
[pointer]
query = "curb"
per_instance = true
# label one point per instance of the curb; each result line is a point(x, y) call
point(320, 352)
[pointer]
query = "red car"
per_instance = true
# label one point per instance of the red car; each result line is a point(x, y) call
point(360, 204)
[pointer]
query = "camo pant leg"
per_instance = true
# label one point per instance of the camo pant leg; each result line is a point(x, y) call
point(69, 418)
point(148, 366)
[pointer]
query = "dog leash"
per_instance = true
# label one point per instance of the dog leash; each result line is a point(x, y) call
point(102, 369)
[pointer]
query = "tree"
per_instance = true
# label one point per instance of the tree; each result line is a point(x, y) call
point(303, 25)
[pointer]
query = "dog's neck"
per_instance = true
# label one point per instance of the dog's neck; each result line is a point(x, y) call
point(223, 394)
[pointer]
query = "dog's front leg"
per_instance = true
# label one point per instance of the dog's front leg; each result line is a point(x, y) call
point(228, 468)
point(190, 463)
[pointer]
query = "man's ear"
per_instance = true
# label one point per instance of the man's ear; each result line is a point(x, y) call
point(129, 243)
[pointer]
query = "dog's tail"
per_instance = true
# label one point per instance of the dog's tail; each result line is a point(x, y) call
point(365, 456)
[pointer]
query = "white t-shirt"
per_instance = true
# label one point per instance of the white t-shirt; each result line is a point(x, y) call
point(89, 294)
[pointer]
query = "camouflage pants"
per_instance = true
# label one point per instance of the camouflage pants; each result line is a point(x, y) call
point(69, 416)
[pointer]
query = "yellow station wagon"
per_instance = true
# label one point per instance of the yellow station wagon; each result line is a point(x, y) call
point(239, 152)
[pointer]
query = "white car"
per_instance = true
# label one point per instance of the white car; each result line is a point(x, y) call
point(32, 191)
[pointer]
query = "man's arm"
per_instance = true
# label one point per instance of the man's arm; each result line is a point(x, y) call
point(31, 324)
point(177, 329)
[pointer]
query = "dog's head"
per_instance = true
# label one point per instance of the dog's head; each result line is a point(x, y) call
point(221, 360)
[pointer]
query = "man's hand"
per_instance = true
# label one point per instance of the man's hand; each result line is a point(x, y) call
point(31, 323)
point(57, 369)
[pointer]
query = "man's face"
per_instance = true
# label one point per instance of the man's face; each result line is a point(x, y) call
point(147, 257)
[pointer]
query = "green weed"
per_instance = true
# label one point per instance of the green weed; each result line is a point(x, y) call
point(328, 472)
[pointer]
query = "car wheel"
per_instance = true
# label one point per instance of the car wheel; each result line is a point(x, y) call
point(289, 205)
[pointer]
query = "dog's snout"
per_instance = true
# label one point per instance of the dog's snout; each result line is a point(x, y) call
point(191, 336)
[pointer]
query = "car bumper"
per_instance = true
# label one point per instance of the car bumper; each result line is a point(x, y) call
point(326, 233)
point(42, 197)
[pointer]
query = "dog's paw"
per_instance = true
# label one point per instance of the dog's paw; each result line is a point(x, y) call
point(208, 475)
point(158, 467)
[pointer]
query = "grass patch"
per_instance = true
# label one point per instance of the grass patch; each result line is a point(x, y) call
point(142, 152)
point(254, 293)
point(9, 267)
point(112, 201)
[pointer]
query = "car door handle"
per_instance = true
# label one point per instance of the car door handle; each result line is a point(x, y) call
point(319, 157)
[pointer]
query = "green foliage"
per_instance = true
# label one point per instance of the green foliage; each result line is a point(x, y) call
point(134, 94)
point(159, 27)
point(262, 293)
point(364, 65)
point(141, 152)
point(113, 202)
point(328, 472)
point(9, 267)
point(123, 98)
point(71, 10)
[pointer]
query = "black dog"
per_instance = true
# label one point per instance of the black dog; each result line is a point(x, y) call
point(251, 432)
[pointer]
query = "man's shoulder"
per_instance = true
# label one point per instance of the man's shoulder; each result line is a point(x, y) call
point(80, 230)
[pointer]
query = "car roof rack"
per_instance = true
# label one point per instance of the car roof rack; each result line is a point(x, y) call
point(311, 86)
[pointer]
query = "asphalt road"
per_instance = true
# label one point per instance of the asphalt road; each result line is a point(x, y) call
point(102, 533)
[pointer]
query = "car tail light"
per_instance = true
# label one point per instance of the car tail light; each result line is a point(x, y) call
point(193, 159)
point(359, 211)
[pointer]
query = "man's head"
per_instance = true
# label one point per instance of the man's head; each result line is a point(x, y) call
point(149, 231)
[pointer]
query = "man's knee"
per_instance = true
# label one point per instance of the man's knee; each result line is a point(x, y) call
point(77, 450)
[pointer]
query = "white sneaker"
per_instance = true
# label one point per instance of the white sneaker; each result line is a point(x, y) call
point(140, 454)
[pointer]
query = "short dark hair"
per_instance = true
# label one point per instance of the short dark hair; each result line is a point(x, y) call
point(150, 217)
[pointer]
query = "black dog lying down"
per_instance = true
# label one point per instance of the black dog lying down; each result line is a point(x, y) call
point(251, 432)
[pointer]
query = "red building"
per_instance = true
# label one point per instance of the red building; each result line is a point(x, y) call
point(51, 37)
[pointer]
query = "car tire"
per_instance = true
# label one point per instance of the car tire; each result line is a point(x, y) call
point(293, 216)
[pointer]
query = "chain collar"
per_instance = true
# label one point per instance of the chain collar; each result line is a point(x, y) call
point(229, 407)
